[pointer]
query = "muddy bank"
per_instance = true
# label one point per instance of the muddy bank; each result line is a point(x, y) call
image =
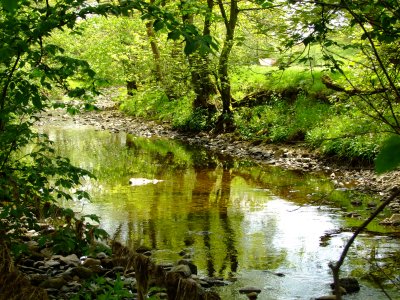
point(286, 156)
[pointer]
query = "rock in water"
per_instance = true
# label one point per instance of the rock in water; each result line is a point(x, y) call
point(143, 181)
point(350, 284)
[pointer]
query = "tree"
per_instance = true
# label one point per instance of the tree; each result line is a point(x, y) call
point(154, 48)
point(225, 122)
point(372, 82)
point(33, 178)
point(199, 61)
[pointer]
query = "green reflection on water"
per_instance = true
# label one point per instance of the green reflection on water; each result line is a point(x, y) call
point(230, 216)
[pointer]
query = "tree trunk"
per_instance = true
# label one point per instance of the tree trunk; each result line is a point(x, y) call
point(200, 72)
point(225, 123)
point(154, 49)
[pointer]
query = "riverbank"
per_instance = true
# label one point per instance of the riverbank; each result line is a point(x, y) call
point(292, 157)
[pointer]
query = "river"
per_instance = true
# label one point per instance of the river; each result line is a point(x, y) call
point(251, 225)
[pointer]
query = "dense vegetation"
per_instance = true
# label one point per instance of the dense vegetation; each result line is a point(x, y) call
point(334, 85)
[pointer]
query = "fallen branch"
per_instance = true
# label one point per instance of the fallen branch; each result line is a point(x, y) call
point(327, 81)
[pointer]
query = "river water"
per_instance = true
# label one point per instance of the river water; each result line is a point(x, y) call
point(263, 226)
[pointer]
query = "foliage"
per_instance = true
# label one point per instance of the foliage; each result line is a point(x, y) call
point(370, 77)
point(147, 104)
point(340, 137)
point(115, 47)
point(388, 158)
point(32, 178)
point(101, 288)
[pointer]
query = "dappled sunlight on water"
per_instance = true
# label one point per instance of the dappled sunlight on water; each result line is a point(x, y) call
point(233, 217)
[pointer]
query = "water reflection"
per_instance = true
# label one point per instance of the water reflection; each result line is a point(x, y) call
point(234, 218)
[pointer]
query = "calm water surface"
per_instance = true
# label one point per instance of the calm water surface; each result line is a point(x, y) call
point(234, 218)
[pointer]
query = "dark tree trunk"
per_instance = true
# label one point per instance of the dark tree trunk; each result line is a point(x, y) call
point(131, 86)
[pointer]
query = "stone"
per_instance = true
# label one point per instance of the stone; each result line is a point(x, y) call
point(329, 297)
point(356, 202)
point(70, 260)
point(118, 269)
point(252, 295)
point(53, 283)
point(36, 279)
point(73, 286)
point(28, 262)
point(161, 295)
point(82, 272)
point(350, 284)
point(107, 263)
point(192, 266)
point(183, 270)
point(46, 252)
point(31, 234)
point(166, 266)
point(52, 292)
point(395, 219)
point(32, 245)
point(218, 282)
point(129, 282)
point(38, 264)
point(51, 264)
point(91, 262)
point(101, 255)
point(142, 249)
point(249, 289)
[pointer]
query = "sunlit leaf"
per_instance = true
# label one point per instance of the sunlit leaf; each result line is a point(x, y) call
point(388, 158)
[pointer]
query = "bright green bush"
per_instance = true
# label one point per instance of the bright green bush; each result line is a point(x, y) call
point(348, 136)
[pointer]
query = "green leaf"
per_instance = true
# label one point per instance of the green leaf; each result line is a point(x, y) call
point(388, 158)
point(191, 46)
point(174, 35)
point(10, 5)
point(158, 25)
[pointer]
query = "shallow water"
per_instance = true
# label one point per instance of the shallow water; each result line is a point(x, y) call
point(235, 219)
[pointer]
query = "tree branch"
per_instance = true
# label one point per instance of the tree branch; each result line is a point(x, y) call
point(335, 267)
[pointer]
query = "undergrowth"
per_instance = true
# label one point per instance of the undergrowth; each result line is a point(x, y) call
point(313, 118)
